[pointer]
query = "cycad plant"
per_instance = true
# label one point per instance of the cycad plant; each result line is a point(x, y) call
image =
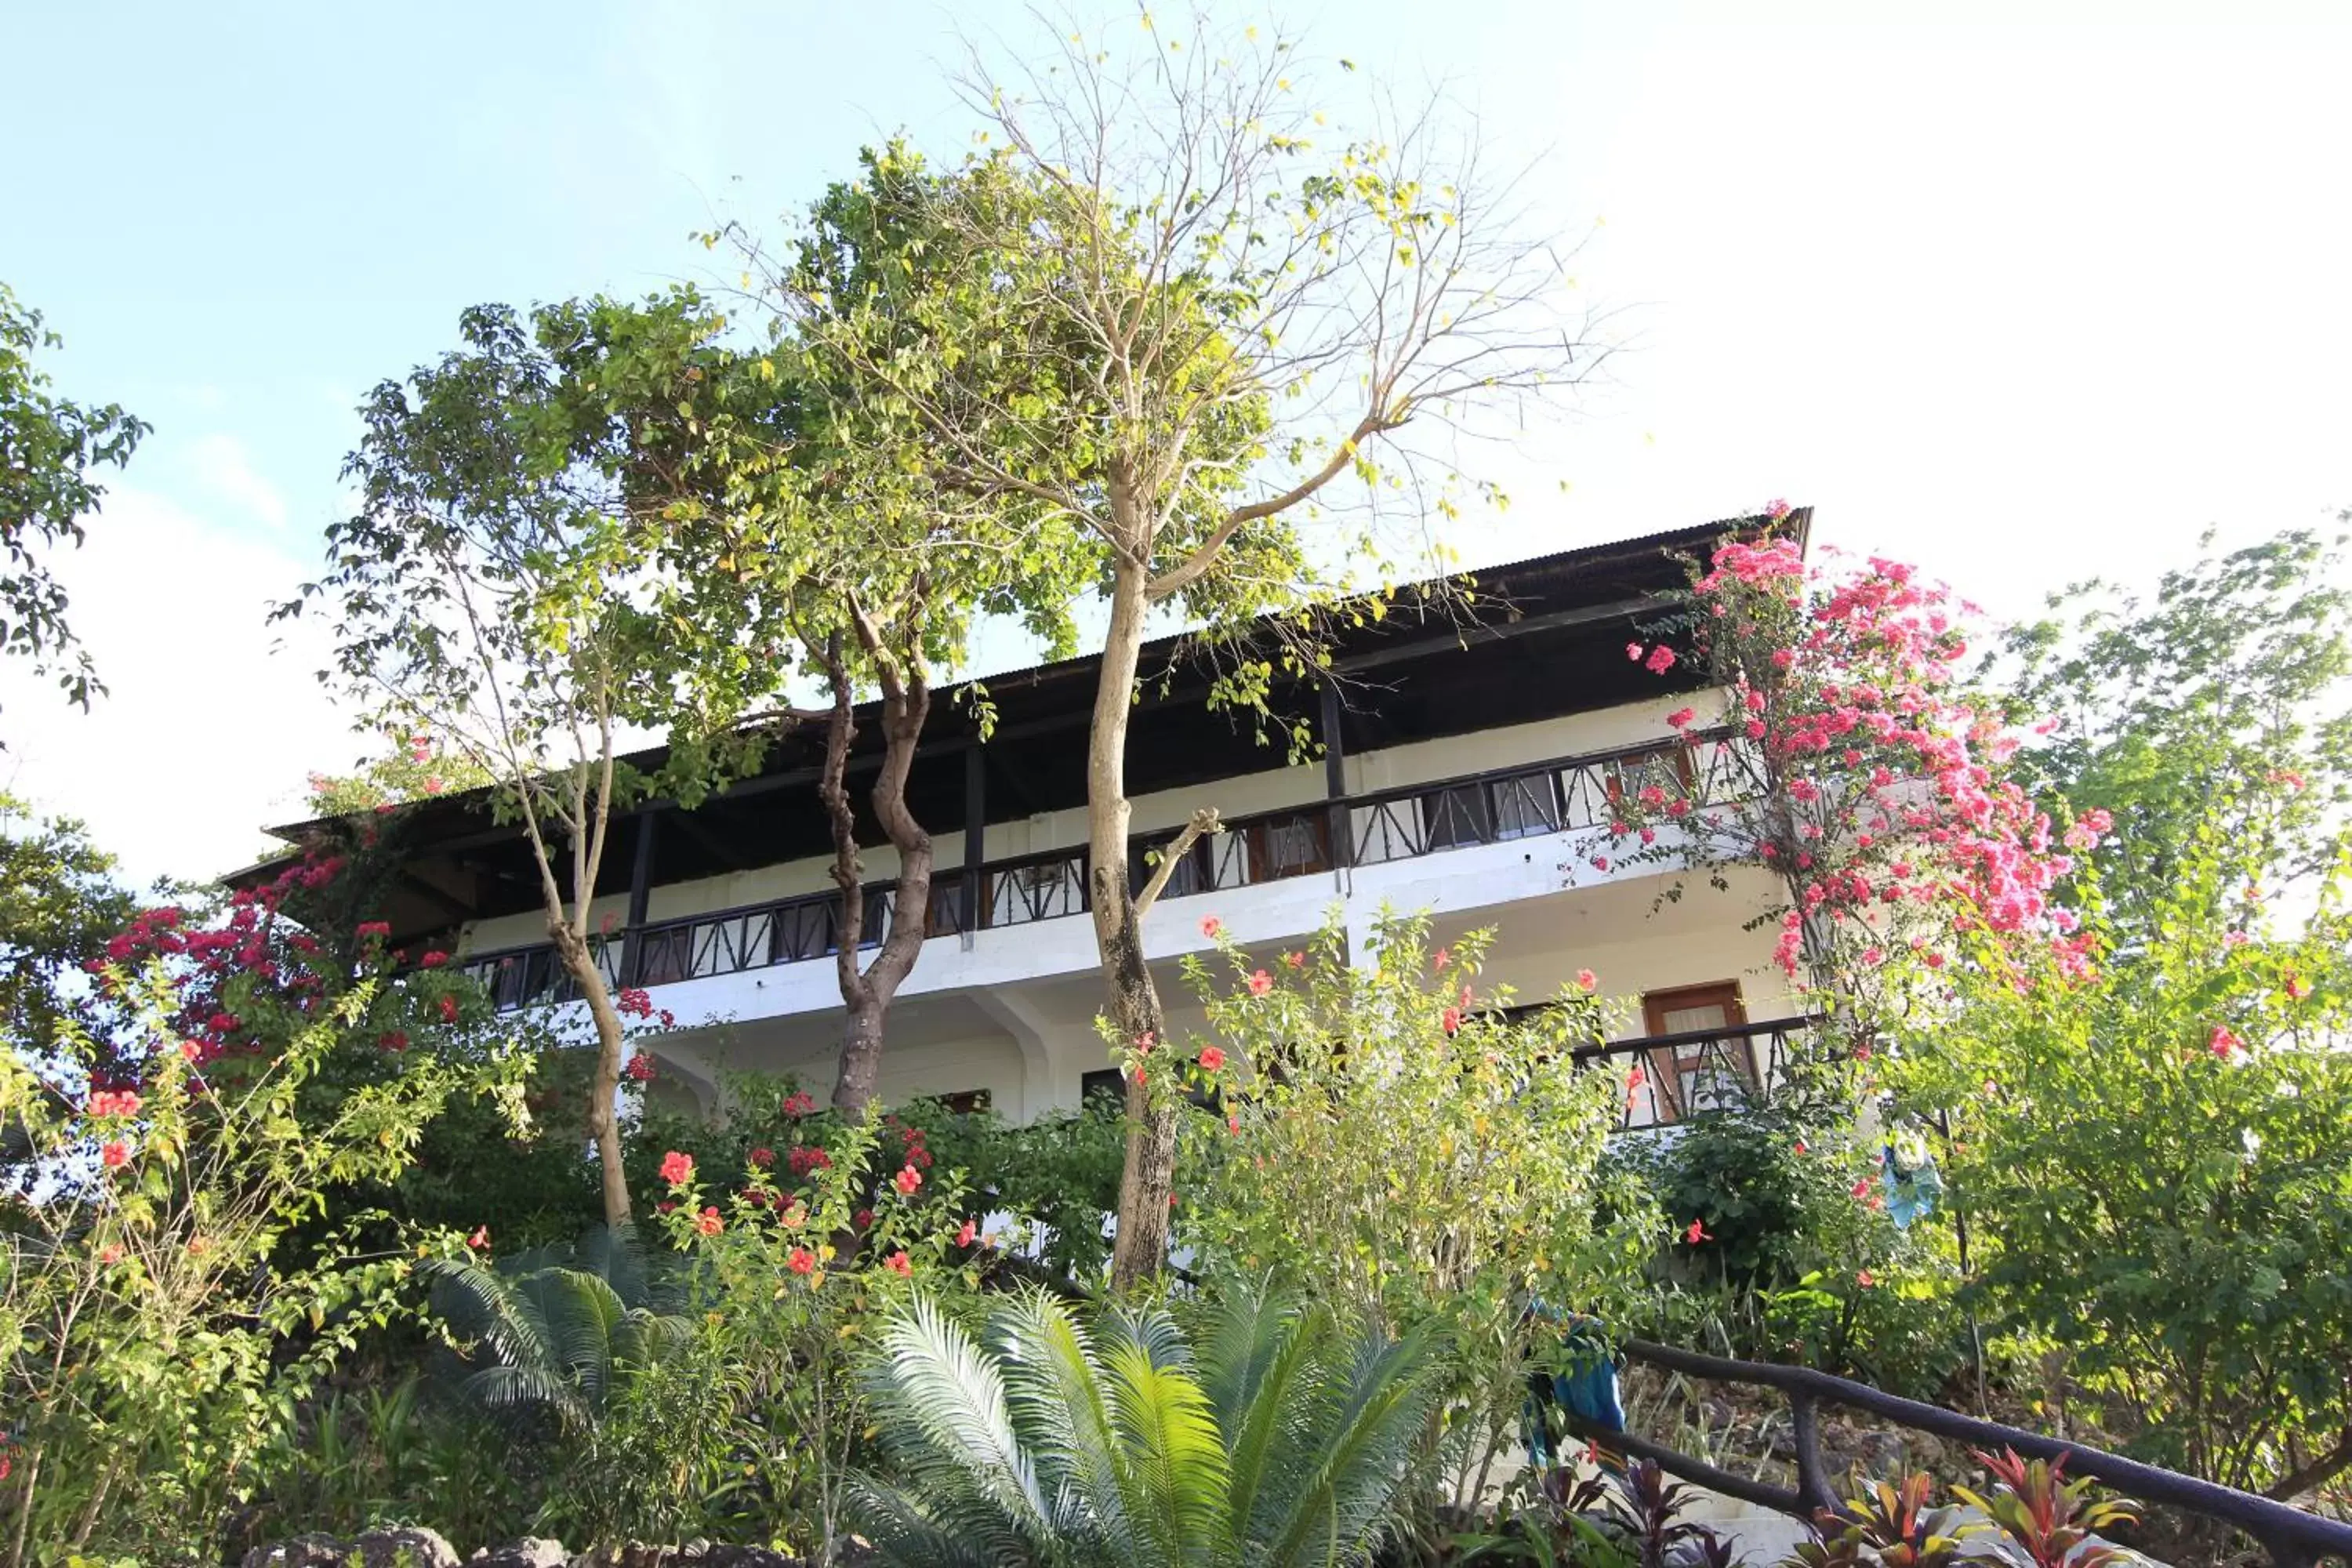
point(1273, 1437)
point(554, 1330)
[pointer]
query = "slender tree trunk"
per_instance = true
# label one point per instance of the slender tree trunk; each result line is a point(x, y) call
point(605, 1091)
point(1147, 1180)
point(866, 995)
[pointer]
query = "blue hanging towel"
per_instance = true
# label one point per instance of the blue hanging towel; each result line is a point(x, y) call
point(1908, 1169)
point(1585, 1386)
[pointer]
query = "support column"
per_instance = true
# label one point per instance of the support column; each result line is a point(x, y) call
point(1340, 826)
point(975, 840)
point(641, 887)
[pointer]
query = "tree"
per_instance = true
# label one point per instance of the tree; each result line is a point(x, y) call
point(412, 769)
point(59, 903)
point(1181, 328)
point(787, 538)
point(492, 595)
point(48, 447)
point(1848, 761)
point(2234, 683)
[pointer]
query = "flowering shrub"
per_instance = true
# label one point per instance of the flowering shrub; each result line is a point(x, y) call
point(1392, 1143)
point(793, 1275)
point(1856, 771)
point(167, 1291)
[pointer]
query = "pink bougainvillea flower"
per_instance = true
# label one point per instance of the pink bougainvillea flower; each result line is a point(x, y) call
point(1633, 651)
point(1681, 717)
point(1212, 927)
point(1260, 982)
point(908, 1180)
point(1600, 862)
point(677, 1168)
point(1212, 1058)
point(640, 1069)
point(899, 1264)
point(1662, 659)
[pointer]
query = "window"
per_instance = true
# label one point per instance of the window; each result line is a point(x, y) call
point(1526, 805)
point(1698, 1075)
point(1108, 1081)
point(1452, 817)
point(1189, 876)
point(1288, 846)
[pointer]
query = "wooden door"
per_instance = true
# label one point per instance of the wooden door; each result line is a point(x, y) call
point(1681, 1074)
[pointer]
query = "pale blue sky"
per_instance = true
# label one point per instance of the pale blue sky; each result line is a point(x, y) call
point(2019, 297)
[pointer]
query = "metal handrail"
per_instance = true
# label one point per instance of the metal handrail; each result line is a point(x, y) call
point(2293, 1538)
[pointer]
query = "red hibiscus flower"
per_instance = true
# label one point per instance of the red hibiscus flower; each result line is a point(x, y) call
point(1212, 1058)
point(677, 1168)
point(899, 1264)
point(906, 1180)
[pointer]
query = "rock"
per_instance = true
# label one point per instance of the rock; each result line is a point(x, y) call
point(405, 1547)
point(302, 1552)
point(530, 1551)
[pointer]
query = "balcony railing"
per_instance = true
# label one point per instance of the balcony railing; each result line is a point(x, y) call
point(1684, 1075)
point(1573, 794)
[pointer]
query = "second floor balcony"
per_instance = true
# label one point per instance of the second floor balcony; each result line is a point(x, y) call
point(1564, 799)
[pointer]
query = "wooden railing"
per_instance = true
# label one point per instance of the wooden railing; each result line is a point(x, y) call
point(1570, 795)
point(2293, 1538)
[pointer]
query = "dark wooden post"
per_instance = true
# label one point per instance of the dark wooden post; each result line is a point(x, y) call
point(975, 839)
point(1334, 779)
point(641, 887)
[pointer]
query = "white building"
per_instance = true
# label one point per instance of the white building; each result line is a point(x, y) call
point(1466, 770)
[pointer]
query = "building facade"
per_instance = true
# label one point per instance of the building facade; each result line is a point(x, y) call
point(1467, 762)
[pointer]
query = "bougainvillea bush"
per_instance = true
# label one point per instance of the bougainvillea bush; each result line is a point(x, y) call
point(1858, 772)
point(1386, 1140)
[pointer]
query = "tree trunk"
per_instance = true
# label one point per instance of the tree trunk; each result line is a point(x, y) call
point(866, 996)
point(1147, 1179)
point(605, 1091)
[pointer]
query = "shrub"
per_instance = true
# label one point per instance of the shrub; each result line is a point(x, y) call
point(1394, 1145)
point(167, 1297)
point(2154, 1157)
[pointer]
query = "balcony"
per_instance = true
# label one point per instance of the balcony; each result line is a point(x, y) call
point(1382, 827)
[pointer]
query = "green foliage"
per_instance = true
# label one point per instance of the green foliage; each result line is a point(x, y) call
point(2227, 696)
point(410, 770)
point(167, 1297)
point(2154, 1157)
point(1059, 1172)
point(1394, 1147)
point(1773, 1196)
point(1268, 1437)
point(58, 904)
point(48, 448)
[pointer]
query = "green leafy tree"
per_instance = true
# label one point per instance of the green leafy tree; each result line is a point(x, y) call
point(59, 903)
point(48, 448)
point(2231, 684)
point(411, 769)
point(493, 592)
point(1190, 325)
point(1269, 1438)
point(2152, 1158)
point(800, 558)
